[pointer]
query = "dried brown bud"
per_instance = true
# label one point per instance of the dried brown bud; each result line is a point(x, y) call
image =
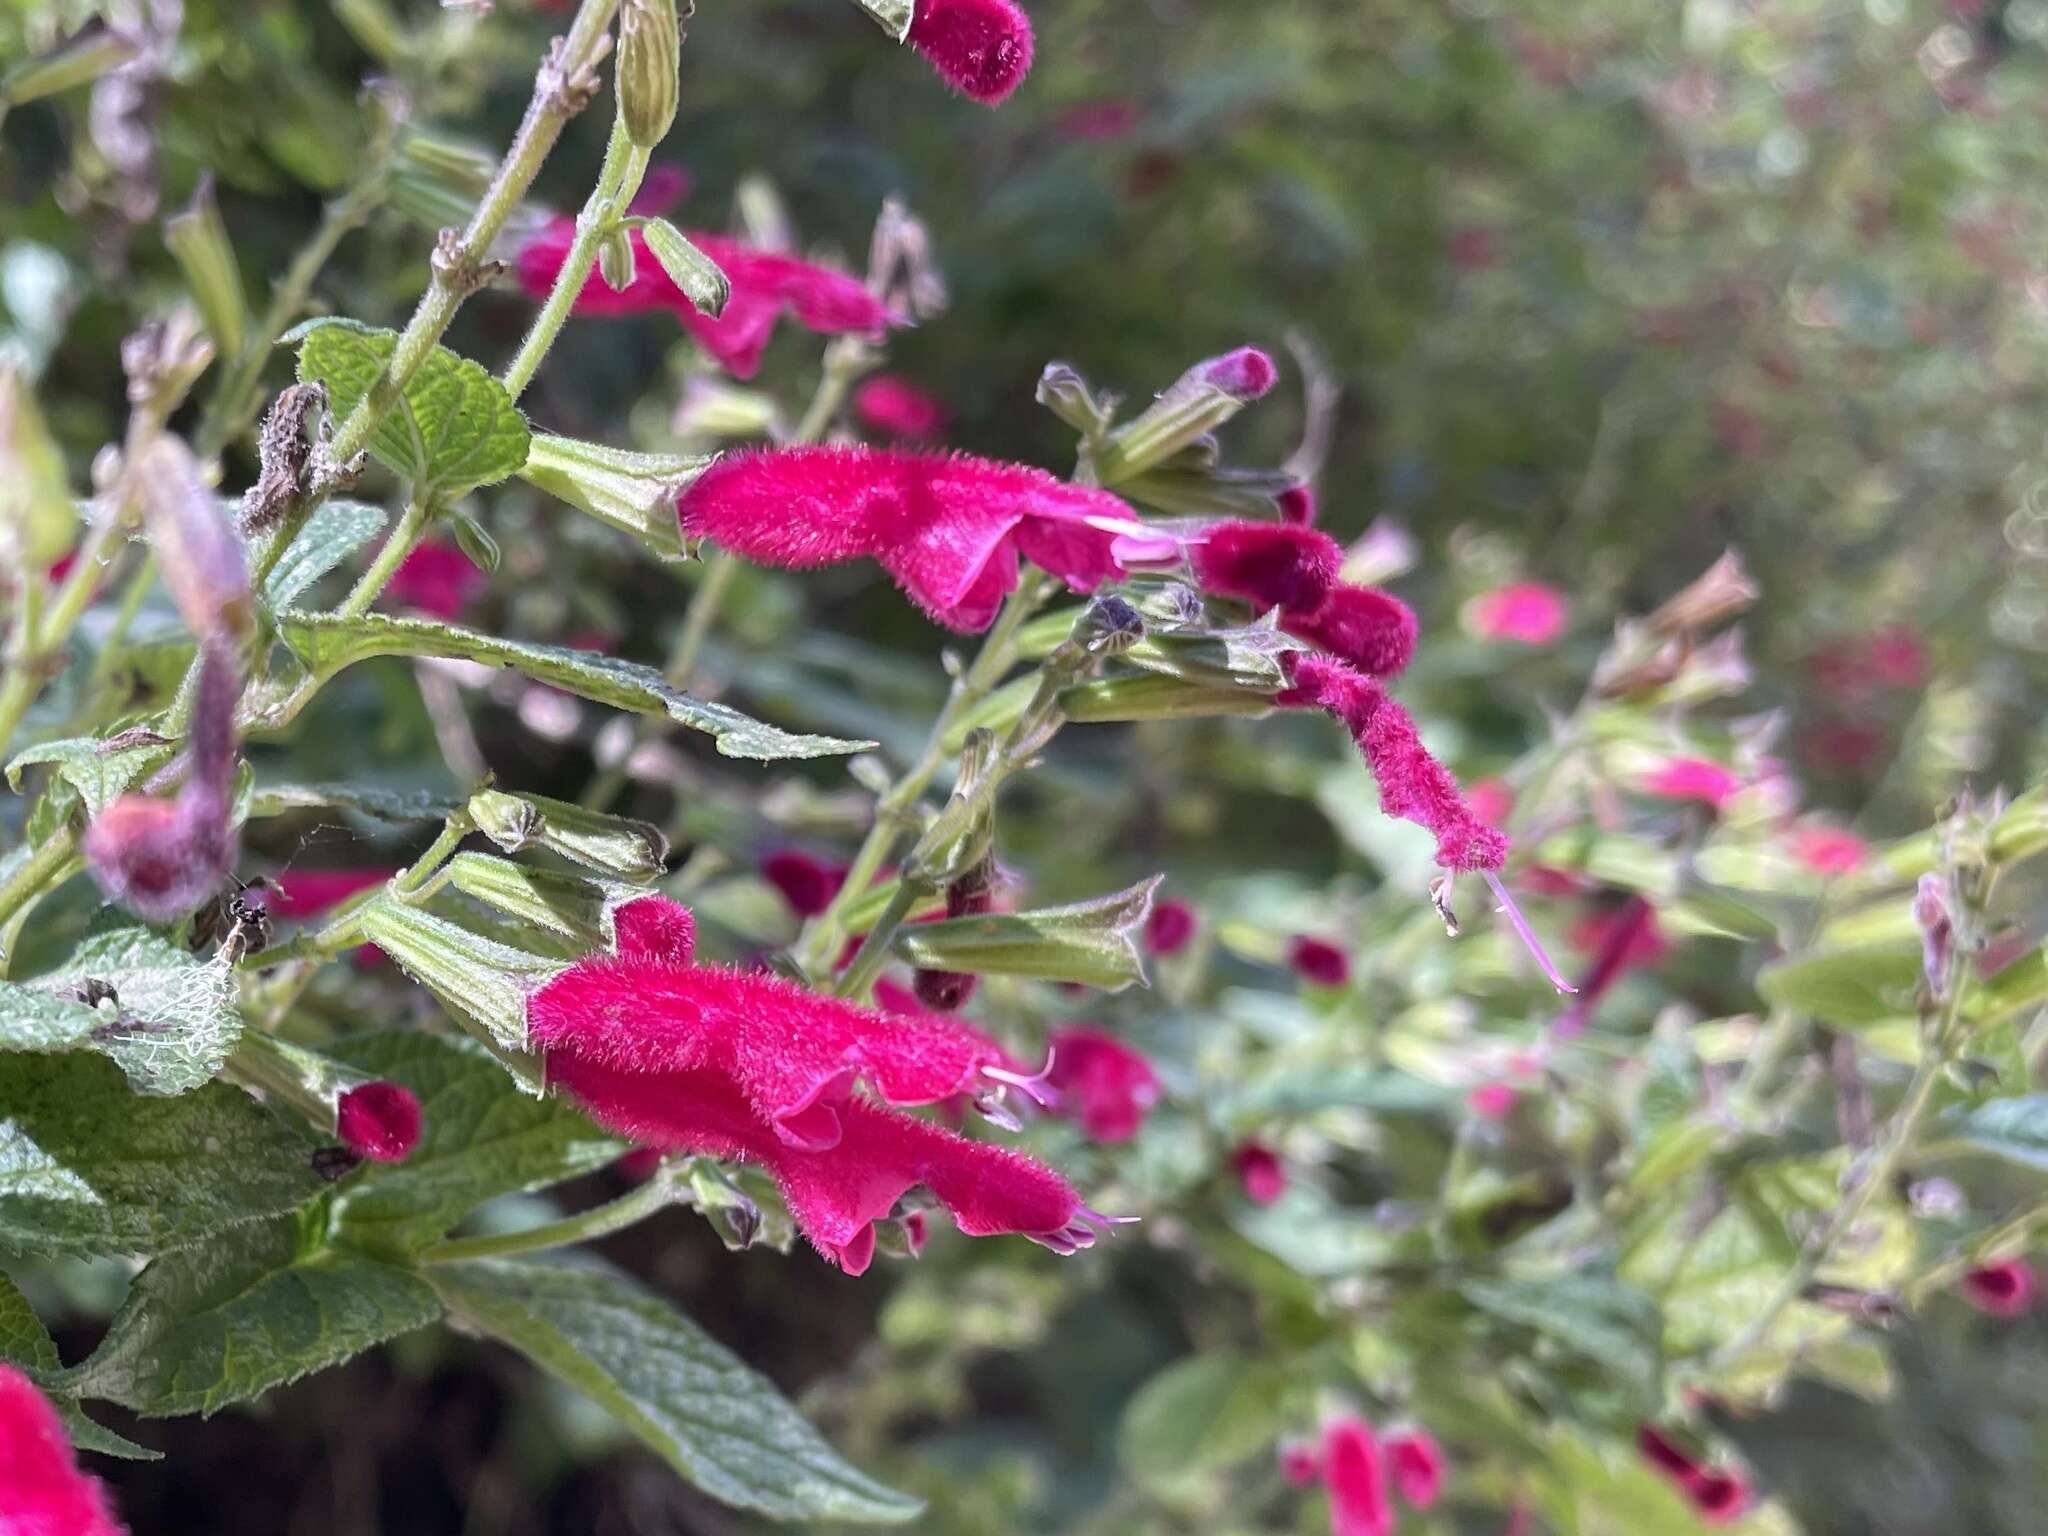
point(1723, 590)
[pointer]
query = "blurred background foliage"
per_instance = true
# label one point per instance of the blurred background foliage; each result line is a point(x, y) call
point(1603, 287)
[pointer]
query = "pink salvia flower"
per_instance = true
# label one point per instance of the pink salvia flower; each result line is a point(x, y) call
point(1621, 941)
point(1492, 1101)
point(949, 528)
point(1526, 614)
point(1354, 1473)
point(438, 579)
point(42, 1490)
point(654, 928)
point(2004, 1289)
point(1298, 505)
point(981, 48)
point(806, 883)
point(1105, 1084)
point(1170, 927)
point(1270, 565)
point(1416, 1463)
point(306, 893)
point(1318, 961)
point(1693, 778)
point(1372, 630)
point(890, 404)
point(1260, 1172)
point(1300, 1463)
point(764, 287)
point(1827, 850)
point(380, 1121)
point(1491, 800)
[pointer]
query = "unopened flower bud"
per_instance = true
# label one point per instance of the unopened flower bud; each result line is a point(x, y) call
point(1723, 590)
point(202, 559)
point(380, 1121)
point(1937, 932)
point(650, 55)
point(981, 48)
point(615, 261)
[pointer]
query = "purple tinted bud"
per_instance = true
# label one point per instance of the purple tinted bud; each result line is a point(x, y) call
point(1244, 375)
point(194, 540)
point(1937, 932)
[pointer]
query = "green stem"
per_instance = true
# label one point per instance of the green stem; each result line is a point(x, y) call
point(820, 940)
point(624, 166)
point(49, 860)
point(859, 975)
point(614, 1216)
point(409, 881)
point(412, 523)
point(40, 636)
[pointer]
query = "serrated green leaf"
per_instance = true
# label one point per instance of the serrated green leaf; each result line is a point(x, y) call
point(100, 776)
point(333, 533)
point(721, 1425)
point(480, 1137)
point(378, 804)
point(1203, 1412)
point(23, 1338)
point(1868, 985)
point(252, 1310)
point(454, 427)
point(87, 1166)
point(173, 1016)
point(1092, 942)
point(35, 1020)
point(1599, 1318)
point(327, 643)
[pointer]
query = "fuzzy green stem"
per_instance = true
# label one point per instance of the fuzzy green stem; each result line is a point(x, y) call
point(408, 882)
point(51, 858)
point(412, 524)
point(40, 635)
point(599, 1221)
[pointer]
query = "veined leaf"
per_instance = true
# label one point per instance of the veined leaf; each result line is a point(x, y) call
point(334, 532)
point(1091, 942)
point(169, 1018)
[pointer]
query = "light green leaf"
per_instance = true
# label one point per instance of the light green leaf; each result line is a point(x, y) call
point(1313, 1236)
point(256, 1309)
point(480, 1137)
point(173, 1016)
point(1203, 1412)
point(2013, 1129)
point(721, 1425)
point(1600, 1318)
point(87, 1166)
point(85, 763)
point(453, 428)
point(34, 1020)
point(333, 533)
point(1301, 1090)
point(327, 643)
point(377, 804)
point(1868, 985)
point(1091, 942)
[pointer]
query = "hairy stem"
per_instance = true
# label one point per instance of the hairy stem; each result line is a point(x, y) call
point(663, 1189)
point(412, 524)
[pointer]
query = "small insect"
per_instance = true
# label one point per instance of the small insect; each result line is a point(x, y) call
point(92, 992)
point(330, 1163)
point(238, 920)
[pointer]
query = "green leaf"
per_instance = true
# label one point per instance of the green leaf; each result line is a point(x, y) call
point(892, 16)
point(1312, 1235)
point(721, 1425)
point(1867, 985)
point(35, 1020)
point(1594, 1316)
point(1203, 1412)
point(377, 804)
point(226, 1322)
point(454, 427)
point(327, 643)
point(173, 1016)
point(702, 281)
point(23, 1338)
point(1091, 942)
point(634, 492)
point(333, 533)
point(88, 1167)
point(480, 1137)
point(100, 775)
point(2013, 1129)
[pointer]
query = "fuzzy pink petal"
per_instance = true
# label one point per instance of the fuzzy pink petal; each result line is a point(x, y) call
point(1356, 1478)
point(654, 928)
point(42, 1490)
point(1416, 1463)
point(1270, 565)
point(1372, 630)
point(1110, 1087)
point(981, 48)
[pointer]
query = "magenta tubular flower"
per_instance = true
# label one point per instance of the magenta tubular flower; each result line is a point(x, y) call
point(1417, 1465)
point(1269, 565)
point(1827, 850)
point(1492, 1101)
point(1260, 1172)
point(981, 48)
point(1526, 614)
point(764, 287)
point(1372, 630)
point(1693, 778)
point(1103, 1083)
point(1621, 941)
point(701, 1059)
point(306, 893)
point(1355, 1474)
point(1170, 927)
point(438, 579)
point(807, 884)
point(380, 1121)
point(1413, 785)
point(1718, 1495)
point(891, 405)
point(2004, 1289)
point(949, 528)
point(42, 1490)
point(1301, 1463)
point(1245, 375)
point(1298, 505)
point(1318, 961)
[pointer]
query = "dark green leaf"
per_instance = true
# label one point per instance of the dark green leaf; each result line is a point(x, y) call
point(333, 533)
point(721, 1425)
point(1203, 1412)
point(1594, 1316)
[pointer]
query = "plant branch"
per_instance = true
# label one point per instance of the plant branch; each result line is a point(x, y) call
point(662, 1190)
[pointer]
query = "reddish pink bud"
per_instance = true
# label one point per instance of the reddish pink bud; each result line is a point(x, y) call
point(1413, 785)
point(1105, 1084)
point(1717, 1495)
point(1245, 374)
point(2004, 1289)
point(1492, 1101)
point(764, 286)
point(1693, 778)
point(438, 579)
point(1170, 927)
point(654, 928)
point(890, 404)
point(1318, 961)
point(1300, 1463)
point(1270, 565)
point(949, 528)
point(42, 1490)
point(1827, 850)
point(1298, 505)
point(969, 896)
point(380, 1121)
point(807, 884)
point(916, 1233)
point(1260, 1172)
point(306, 893)
point(1372, 630)
point(1663, 1453)
point(1356, 1477)
point(981, 48)
point(1417, 1465)
point(1527, 614)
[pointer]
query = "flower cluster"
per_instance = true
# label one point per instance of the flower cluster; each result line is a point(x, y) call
point(704, 1059)
point(1356, 1465)
point(1294, 568)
